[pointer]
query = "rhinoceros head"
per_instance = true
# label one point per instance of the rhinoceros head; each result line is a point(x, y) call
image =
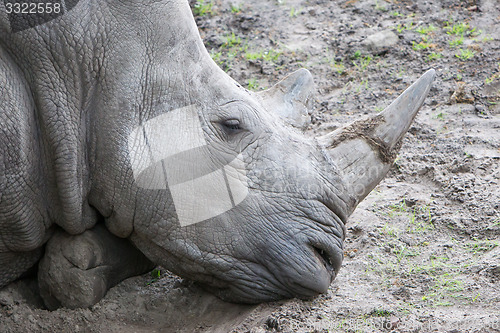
point(219, 184)
point(216, 183)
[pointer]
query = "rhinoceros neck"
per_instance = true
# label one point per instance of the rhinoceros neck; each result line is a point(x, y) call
point(96, 73)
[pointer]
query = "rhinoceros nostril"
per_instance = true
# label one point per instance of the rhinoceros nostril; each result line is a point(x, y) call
point(325, 259)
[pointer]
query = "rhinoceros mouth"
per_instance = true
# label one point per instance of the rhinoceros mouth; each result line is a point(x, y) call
point(318, 279)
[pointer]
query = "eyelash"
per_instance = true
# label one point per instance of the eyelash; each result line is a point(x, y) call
point(232, 124)
point(233, 127)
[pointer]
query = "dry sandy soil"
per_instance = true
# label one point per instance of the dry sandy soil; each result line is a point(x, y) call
point(422, 252)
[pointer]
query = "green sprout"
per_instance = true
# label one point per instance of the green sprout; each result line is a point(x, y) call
point(270, 55)
point(252, 84)
point(155, 276)
point(362, 63)
point(425, 30)
point(457, 41)
point(459, 29)
point(434, 56)
point(231, 40)
point(235, 9)
point(201, 8)
point(423, 45)
point(465, 55)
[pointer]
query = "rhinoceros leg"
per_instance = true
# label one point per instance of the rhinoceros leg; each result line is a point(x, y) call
point(23, 215)
point(77, 271)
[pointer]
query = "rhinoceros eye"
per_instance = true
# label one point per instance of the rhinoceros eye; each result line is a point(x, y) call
point(231, 125)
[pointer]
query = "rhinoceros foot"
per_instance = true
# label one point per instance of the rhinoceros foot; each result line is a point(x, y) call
point(77, 270)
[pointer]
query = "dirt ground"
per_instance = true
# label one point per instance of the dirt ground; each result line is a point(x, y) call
point(422, 252)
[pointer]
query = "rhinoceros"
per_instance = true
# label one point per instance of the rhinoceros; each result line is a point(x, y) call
point(124, 146)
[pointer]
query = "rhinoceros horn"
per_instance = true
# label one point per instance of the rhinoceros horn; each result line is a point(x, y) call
point(291, 98)
point(365, 149)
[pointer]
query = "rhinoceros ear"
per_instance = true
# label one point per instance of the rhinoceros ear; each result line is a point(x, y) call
point(365, 149)
point(291, 98)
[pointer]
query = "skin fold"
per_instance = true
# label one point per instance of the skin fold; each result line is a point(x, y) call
point(86, 95)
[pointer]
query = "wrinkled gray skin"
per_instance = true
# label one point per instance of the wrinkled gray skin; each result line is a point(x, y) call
point(71, 92)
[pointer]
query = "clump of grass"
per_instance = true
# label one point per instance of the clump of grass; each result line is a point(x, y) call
point(424, 30)
point(253, 84)
point(380, 7)
point(338, 67)
point(440, 116)
point(216, 56)
point(465, 55)
point(419, 217)
point(227, 52)
point(295, 12)
point(269, 55)
point(487, 39)
point(231, 40)
point(423, 45)
point(457, 41)
point(397, 209)
point(478, 246)
point(493, 224)
point(493, 77)
point(235, 9)
point(155, 276)
point(405, 26)
point(446, 288)
point(390, 231)
point(459, 29)
point(201, 8)
point(434, 56)
point(380, 313)
point(361, 62)
point(405, 252)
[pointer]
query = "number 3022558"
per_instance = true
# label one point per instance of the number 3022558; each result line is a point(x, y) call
point(33, 8)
